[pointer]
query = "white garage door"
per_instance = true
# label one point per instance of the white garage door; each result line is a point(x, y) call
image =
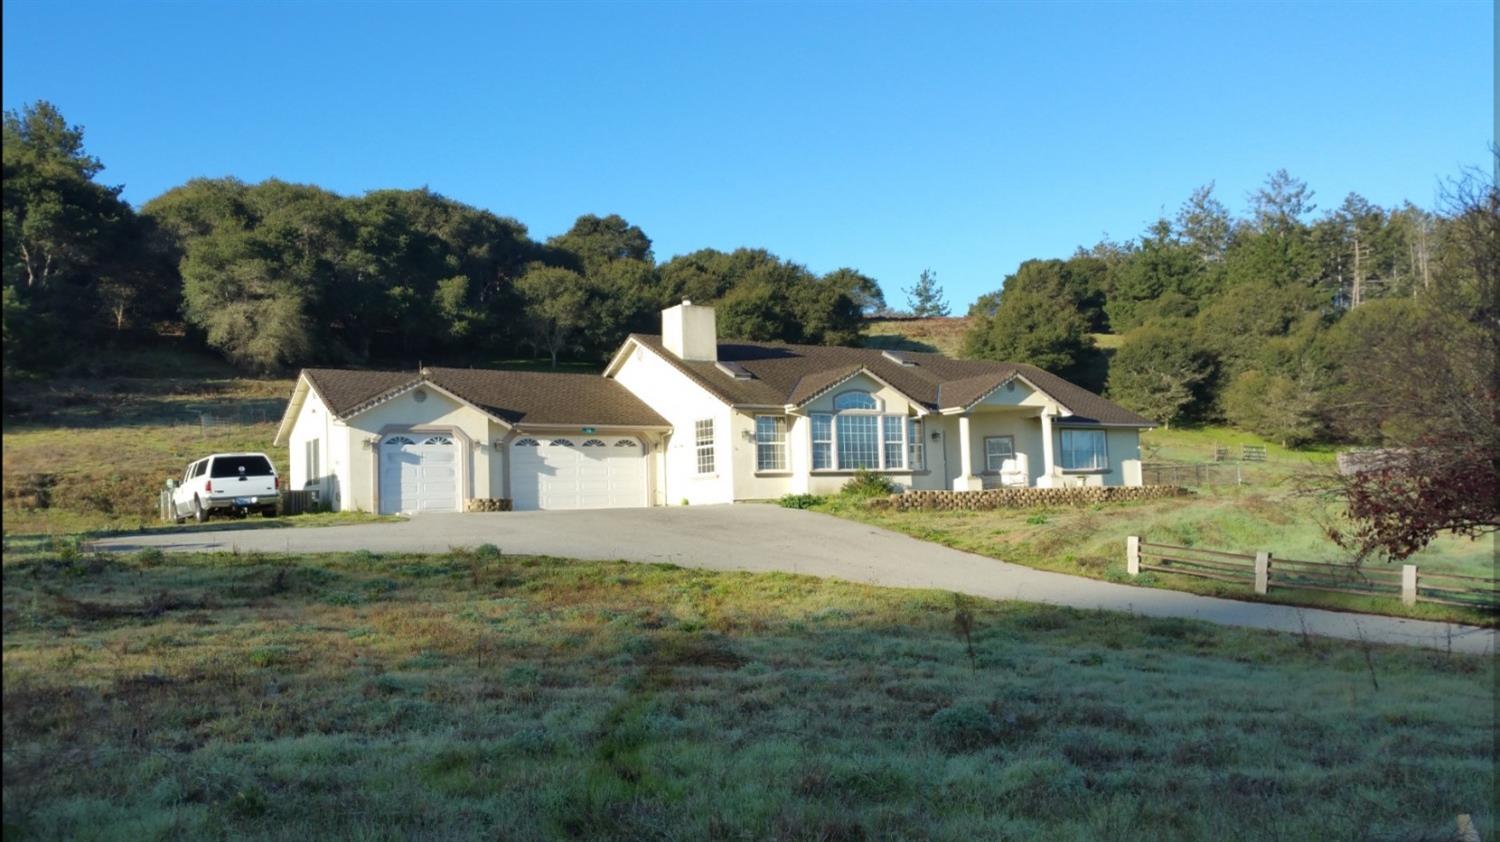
point(418, 473)
point(577, 473)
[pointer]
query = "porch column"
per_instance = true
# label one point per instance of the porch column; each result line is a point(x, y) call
point(1046, 479)
point(965, 481)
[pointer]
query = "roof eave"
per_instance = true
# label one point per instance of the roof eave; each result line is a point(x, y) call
point(1064, 410)
point(522, 426)
point(293, 409)
point(863, 369)
point(619, 356)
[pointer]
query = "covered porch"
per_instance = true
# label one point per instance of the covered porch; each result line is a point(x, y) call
point(1023, 447)
point(1001, 447)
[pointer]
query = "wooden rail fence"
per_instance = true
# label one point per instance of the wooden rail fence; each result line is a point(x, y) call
point(1261, 571)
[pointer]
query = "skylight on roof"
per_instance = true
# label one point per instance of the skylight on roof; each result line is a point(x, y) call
point(899, 358)
point(734, 370)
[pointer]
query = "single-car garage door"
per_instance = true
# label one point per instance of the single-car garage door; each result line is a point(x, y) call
point(418, 473)
point(577, 473)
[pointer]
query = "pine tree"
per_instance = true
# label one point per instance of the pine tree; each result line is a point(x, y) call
point(926, 298)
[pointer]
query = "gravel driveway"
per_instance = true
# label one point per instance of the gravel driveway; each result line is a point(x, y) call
point(765, 538)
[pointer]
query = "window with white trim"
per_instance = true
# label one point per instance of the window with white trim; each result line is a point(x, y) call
point(822, 442)
point(858, 441)
point(917, 448)
point(1082, 450)
point(314, 471)
point(703, 440)
point(770, 443)
point(893, 439)
point(855, 400)
point(857, 435)
point(997, 449)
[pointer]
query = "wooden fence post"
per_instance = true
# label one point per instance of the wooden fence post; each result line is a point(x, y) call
point(1408, 584)
point(1262, 571)
point(1133, 555)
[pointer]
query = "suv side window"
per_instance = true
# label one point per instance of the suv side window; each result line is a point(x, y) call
point(198, 468)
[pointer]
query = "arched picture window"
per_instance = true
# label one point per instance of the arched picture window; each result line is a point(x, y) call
point(527, 443)
point(857, 434)
point(398, 441)
point(855, 400)
point(439, 440)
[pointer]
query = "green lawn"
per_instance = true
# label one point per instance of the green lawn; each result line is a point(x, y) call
point(482, 697)
point(1266, 513)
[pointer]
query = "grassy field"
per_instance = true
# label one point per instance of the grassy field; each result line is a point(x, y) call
point(477, 696)
point(88, 451)
point(1265, 513)
point(83, 455)
point(943, 335)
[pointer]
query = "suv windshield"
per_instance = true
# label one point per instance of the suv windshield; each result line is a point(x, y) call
point(233, 466)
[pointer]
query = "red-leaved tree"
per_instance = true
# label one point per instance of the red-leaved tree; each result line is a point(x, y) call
point(1421, 377)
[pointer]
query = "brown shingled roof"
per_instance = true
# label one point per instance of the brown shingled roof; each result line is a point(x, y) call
point(344, 390)
point(793, 374)
point(518, 397)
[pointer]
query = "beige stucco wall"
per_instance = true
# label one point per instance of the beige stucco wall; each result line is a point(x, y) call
point(682, 403)
point(1022, 424)
point(829, 482)
point(438, 412)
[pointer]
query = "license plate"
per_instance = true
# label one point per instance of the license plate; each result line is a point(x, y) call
point(244, 501)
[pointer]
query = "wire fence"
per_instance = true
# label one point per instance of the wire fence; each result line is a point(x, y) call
point(218, 421)
point(1190, 474)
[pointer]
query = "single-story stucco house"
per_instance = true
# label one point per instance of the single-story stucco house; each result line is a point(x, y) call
point(685, 418)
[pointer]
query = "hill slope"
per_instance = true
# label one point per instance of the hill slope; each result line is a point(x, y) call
point(943, 335)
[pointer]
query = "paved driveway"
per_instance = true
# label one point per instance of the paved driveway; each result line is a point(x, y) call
point(770, 538)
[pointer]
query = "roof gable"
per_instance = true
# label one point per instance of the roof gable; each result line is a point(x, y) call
point(793, 374)
point(509, 397)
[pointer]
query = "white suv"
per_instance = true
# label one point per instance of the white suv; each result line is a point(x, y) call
point(226, 482)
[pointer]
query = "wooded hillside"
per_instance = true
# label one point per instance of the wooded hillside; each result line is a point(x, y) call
point(1350, 324)
point(277, 275)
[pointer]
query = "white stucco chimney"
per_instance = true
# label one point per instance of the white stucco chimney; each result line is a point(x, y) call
point(689, 331)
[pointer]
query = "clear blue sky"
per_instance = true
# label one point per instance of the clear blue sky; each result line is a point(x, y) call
point(963, 137)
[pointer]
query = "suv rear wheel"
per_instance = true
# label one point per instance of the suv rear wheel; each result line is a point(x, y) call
point(200, 514)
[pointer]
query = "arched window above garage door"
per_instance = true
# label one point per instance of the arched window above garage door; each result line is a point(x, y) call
point(593, 443)
point(397, 441)
point(527, 443)
point(561, 443)
point(627, 443)
point(439, 440)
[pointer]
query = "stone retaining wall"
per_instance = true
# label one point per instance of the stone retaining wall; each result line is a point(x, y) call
point(1022, 498)
point(487, 504)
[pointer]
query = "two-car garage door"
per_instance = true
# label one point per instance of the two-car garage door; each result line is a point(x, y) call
point(420, 473)
point(577, 473)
